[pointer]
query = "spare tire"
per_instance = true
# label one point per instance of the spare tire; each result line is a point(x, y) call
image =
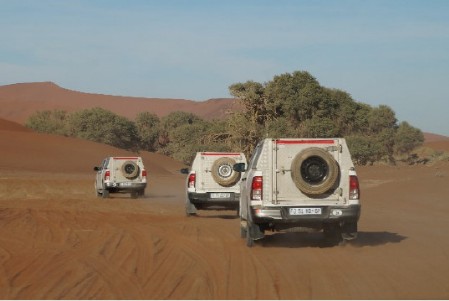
point(130, 169)
point(223, 173)
point(314, 171)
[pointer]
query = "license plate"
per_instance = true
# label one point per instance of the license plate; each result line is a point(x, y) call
point(127, 184)
point(305, 211)
point(220, 195)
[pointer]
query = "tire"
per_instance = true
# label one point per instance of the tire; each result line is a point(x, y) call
point(314, 171)
point(223, 173)
point(130, 169)
point(243, 230)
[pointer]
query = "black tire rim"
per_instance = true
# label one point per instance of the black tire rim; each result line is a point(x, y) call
point(314, 170)
point(129, 168)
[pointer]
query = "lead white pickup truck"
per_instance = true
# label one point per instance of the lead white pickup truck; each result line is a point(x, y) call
point(121, 175)
point(299, 183)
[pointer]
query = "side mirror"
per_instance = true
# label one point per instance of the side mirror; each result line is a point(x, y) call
point(184, 171)
point(96, 168)
point(239, 167)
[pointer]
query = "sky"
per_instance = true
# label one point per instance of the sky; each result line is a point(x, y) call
point(382, 52)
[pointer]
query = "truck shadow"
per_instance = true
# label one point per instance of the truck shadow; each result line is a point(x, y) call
point(316, 240)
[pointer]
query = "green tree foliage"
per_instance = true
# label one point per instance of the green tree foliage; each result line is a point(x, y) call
point(297, 105)
point(148, 130)
point(364, 150)
point(290, 105)
point(407, 138)
point(183, 134)
point(51, 122)
point(248, 124)
point(103, 126)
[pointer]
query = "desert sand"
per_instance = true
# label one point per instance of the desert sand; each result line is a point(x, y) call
point(59, 241)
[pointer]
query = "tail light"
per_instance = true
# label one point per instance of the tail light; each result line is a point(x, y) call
point(256, 188)
point(191, 182)
point(354, 189)
point(107, 175)
point(144, 174)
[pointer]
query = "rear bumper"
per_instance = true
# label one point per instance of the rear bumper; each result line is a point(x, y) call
point(329, 214)
point(125, 186)
point(204, 200)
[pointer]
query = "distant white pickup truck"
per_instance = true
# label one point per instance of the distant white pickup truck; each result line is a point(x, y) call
point(299, 183)
point(121, 175)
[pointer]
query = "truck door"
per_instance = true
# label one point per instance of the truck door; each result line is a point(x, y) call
point(284, 188)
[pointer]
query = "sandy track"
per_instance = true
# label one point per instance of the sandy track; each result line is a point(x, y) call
point(60, 242)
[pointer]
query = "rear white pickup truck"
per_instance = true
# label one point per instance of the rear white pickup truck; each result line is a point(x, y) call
point(300, 183)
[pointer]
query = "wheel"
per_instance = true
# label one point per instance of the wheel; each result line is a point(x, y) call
point(314, 171)
point(223, 173)
point(242, 229)
point(130, 169)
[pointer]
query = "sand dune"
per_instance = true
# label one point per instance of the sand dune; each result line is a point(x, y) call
point(19, 101)
point(59, 241)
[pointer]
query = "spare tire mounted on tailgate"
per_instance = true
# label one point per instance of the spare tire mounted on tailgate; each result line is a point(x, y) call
point(223, 173)
point(130, 169)
point(314, 171)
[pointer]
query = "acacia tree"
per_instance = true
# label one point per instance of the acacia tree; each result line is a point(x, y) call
point(246, 126)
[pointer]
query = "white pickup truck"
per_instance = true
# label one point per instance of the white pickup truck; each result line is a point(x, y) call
point(121, 175)
point(299, 183)
point(211, 183)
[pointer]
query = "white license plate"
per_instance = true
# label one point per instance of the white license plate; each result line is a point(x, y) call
point(305, 211)
point(127, 184)
point(220, 195)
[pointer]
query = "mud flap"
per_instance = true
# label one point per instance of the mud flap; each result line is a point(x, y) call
point(190, 208)
point(349, 231)
point(253, 233)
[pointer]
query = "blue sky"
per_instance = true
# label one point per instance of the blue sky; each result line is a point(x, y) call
point(381, 52)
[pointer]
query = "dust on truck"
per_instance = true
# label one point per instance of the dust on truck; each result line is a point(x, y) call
point(299, 183)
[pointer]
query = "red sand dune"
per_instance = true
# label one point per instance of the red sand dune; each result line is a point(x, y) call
point(59, 241)
point(19, 101)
